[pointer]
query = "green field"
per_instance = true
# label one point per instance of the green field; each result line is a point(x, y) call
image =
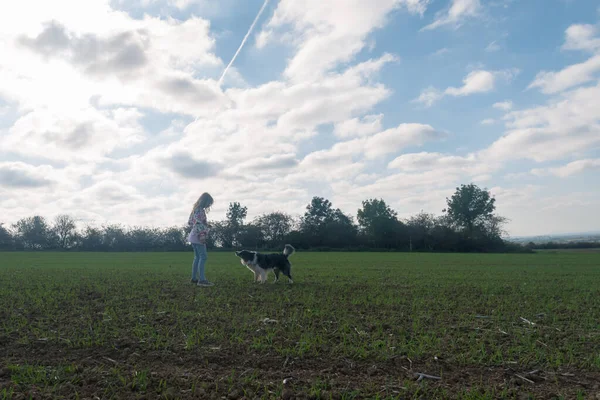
point(353, 325)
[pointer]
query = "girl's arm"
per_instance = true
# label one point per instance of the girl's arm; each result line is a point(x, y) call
point(200, 226)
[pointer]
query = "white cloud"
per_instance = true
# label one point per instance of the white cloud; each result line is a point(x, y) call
point(570, 201)
point(183, 4)
point(262, 38)
point(392, 140)
point(86, 134)
point(81, 76)
point(569, 77)
point(471, 167)
point(542, 213)
point(205, 8)
point(577, 37)
point(304, 105)
point(364, 126)
point(488, 121)
point(457, 13)
point(504, 105)
point(429, 96)
point(576, 167)
point(440, 52)
point(19, 175)
point(477, 81)
point(254, 142)
point(107, 56)
point(272, 163)
point(572, 168)
point(582, 37)
point(481, 178)
point(326, 33)
point(374, 146)
point(429, 161)
point(346, 161)
point(514, 196)
point(566, 126)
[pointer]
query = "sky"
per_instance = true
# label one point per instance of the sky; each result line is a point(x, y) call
point(114, 111)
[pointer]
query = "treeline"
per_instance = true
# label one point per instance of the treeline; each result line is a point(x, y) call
point(468, 224)
point(563, 245)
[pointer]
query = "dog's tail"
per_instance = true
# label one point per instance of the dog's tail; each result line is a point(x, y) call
point(288, 250)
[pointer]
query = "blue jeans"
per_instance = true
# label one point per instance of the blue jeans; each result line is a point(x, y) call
point(199, 261)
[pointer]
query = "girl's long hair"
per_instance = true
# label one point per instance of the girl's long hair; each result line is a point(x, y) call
point(205, 201)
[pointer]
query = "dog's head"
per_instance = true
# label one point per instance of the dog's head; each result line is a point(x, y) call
point(245, 255)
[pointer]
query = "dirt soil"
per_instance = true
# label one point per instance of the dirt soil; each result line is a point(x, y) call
point(220, 373)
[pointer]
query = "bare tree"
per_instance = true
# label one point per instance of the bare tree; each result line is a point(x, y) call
point(64, 229)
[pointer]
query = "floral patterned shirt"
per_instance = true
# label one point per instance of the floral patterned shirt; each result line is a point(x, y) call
point(199, 225)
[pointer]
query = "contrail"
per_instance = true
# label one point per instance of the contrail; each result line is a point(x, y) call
point(243, 41)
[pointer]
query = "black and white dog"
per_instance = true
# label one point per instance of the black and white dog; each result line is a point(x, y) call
point(261, 263)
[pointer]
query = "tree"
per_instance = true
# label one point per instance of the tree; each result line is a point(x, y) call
point(173, 239)
point(470, 206)
point(143, 239)
point(372, 213)
point(420, 228)
point(324, 226)
point(236, 214)
point(251, 237)
point(340, 232)
point(91, 239)
point(6, 239)
point(494, 227)
point(235, 221)
point(64, 229)
point(115, 238)
point(220, 235)
point(468, 224)
point(274, 228)
point(35, 233)
point(313, 224)
point(444, 235)
point(380, 225)
point(318, 213)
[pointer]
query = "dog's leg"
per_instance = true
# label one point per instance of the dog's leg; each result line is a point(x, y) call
point(276, 275)
point(263, 276)
point(253, 269)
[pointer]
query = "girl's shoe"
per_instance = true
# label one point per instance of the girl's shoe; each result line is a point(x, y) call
point(194, 281)
point(205, 283)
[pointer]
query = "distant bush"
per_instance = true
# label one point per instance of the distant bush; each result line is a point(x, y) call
point(563, 245)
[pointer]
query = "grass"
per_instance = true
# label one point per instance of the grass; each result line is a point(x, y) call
point(353, 325)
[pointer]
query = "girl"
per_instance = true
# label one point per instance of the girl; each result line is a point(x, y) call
point(197, 237)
